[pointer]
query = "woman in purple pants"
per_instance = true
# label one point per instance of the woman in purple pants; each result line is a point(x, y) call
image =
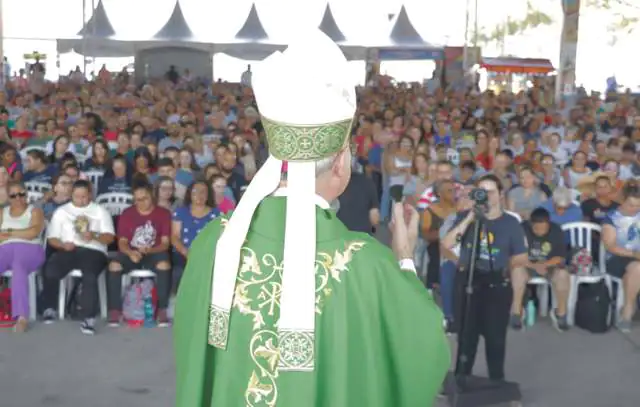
point(20, 249)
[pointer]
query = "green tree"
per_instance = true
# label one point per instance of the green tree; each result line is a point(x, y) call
point(533, 18)
point(626, 16)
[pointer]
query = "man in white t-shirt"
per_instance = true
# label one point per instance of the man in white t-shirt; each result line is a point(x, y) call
point(79, 233)
point(245, 79)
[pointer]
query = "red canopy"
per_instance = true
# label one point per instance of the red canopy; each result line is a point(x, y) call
point(517, 65)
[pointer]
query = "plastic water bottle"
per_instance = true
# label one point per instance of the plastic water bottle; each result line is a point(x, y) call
point(149, 322)
point(531, 313)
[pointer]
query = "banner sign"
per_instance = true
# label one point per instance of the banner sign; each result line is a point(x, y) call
point(408, 54)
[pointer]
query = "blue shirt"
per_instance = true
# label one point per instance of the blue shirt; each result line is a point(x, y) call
point(375, 156)
point(627, 229)
point(191, 225)
point(114, 185)
point(572, 214)
point(446, 140)
point(49, 207)
point(182, 177)
point(43, 176)
point(156, 135)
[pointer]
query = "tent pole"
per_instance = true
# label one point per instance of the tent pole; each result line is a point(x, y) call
point(93, 35)
point(84, 37)
point(475, 24)
point(465, 50)
point(2, 61)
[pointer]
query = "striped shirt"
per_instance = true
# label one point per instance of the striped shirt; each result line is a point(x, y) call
point(428, 197)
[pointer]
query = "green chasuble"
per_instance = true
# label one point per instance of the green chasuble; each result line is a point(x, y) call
point(379, 335)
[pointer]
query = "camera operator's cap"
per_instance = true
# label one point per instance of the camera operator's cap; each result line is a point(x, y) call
point(307, 110)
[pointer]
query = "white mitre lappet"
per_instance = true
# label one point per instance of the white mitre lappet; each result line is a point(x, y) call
point(307, 105)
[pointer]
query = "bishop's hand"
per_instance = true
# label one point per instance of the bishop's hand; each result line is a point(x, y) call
point(404, 230)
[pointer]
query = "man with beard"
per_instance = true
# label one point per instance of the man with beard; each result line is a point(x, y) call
point(235, 181)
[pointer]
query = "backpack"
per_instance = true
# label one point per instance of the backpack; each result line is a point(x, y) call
point(74, 307)
point(139, 304)
point(6, 318)
point(594, 309)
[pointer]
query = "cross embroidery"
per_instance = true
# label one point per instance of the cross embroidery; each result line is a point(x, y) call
point(305, 143)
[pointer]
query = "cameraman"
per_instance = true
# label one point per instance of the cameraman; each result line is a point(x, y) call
point(501, 248)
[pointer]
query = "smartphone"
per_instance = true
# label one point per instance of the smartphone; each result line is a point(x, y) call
point(396, 192)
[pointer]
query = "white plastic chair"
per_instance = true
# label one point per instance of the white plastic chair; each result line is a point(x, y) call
point(25, 151)
point(33, 186)
point(36, 190)
point(453, 156)
point(619, 294)
point(81, 158)
point(581, 236)
point(33, 197)
point(102, 292)
point(33, 291)
point(575, 196)
point(95, 177)
point(115, 202)
point(543, 289)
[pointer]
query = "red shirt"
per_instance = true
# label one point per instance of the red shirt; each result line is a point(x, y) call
point(21, 136)
point(144, 230)
point(485, 160)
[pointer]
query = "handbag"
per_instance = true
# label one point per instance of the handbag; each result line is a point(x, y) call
point(6, 317)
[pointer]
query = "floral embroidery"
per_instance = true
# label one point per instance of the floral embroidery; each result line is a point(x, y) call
point(257, 296)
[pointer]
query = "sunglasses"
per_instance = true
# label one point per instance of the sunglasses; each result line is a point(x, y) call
point(18, 195)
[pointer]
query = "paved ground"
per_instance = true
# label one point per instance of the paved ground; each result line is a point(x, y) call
point(57, 366)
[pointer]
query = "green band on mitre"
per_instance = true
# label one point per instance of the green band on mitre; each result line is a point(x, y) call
point(292, 142)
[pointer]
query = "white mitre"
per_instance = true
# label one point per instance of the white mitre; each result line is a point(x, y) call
point(307, 105)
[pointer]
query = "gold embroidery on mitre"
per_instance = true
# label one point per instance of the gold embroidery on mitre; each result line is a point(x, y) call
point(257, 296)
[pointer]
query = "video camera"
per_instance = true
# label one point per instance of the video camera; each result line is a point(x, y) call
point(480, 200)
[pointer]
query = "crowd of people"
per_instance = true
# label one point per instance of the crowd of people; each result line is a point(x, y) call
point(181, 153)
point(555, 165)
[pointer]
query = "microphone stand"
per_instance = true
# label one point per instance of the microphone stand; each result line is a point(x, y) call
point(461, 356)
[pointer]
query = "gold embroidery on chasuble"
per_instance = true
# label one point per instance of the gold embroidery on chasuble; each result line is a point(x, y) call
point(257, 296)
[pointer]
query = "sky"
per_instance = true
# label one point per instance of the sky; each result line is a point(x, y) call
point(437, 21)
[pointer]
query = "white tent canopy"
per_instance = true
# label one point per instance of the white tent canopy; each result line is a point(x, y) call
point(99, 25)
point(176, 28)
point(329, 26)
point(251, 41)
point(95, 38)
point(405, 43)
point(403, 32)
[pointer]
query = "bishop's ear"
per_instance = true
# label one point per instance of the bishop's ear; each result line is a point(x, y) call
point(342, 163)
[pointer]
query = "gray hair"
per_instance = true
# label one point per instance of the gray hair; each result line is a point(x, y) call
point(325, 164)
point(562, 197)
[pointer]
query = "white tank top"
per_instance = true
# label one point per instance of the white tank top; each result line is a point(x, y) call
point(399, 179)
point(20, 222)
